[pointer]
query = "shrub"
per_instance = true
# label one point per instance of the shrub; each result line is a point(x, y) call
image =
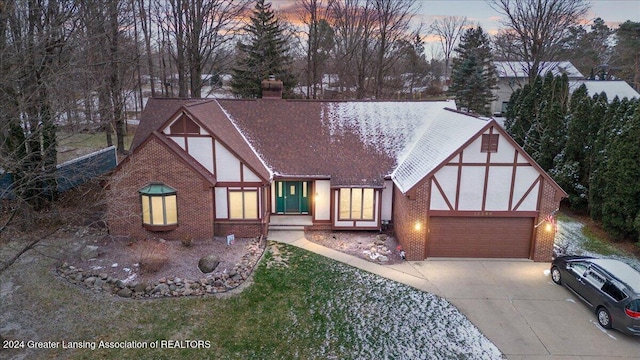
point(151, 255)
point(187, 241)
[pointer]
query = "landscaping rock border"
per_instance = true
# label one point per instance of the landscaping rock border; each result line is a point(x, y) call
point(166, 287)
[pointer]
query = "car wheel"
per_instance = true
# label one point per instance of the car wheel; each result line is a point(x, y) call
point(604, 319)
point(556, 276)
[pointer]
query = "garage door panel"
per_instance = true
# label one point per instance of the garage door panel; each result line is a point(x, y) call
point(479, 237)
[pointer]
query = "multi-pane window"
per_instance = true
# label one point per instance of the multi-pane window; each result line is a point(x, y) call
point(356, 204)
point(159, 207)
point(489, 143)
point(243, 204)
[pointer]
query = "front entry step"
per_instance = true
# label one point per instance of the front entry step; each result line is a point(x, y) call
point(286, 227)
point(289, 222)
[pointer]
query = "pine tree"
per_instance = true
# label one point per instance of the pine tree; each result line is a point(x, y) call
point(621, 205)
point(572, 169)
point(552, 119)
point(473, 75)
point(597, 179)
point(266, 54)
point(536, 118)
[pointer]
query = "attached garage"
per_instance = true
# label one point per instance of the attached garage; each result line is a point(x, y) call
point(480, 237)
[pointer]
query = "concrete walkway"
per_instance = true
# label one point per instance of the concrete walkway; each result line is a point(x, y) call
point(513, 302)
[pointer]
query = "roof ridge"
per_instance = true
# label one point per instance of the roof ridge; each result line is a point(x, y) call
point(244, 137)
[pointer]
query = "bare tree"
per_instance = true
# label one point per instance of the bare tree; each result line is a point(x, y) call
point(536, 29)
point(353, 26)
point(34, 52)
point(143, 11)
point(315, 14)
point(393, 26)
point(200, 32)
point(109, 64)
point(448, 30)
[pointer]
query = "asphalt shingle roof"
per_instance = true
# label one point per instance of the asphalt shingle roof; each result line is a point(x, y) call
point(354, 143)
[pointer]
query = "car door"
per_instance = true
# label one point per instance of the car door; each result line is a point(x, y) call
point(575, 270)
point(591, 289)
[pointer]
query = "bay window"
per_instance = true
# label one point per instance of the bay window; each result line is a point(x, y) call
point(159, 207)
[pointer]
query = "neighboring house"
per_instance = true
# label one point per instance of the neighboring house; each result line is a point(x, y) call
point(513, 75)
point(450, 184)
point(612, 88)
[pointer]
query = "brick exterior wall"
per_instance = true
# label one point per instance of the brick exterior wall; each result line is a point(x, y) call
point(153, 162)
point(407, 212)
point(240, 229)
point(319, 227)
point(412, 209)
point(543, 245)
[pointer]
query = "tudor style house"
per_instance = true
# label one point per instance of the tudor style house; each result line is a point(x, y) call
point(450, 184)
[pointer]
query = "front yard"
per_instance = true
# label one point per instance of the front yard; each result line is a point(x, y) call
point(300, 305)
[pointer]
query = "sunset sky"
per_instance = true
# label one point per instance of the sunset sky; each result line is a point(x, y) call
point(614, 12)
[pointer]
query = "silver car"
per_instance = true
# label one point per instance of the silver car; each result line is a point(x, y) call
point(610, 287)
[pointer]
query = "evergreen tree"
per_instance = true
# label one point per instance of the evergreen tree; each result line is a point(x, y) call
point(626, 56)
point(266, 54)
point(552, 119)
point(536, 118)
point(606, 113)
point(522, 112)
point(473, 75)
point(572, 169)
point(621, 205)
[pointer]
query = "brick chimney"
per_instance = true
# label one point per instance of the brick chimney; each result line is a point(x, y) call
point(272, 88)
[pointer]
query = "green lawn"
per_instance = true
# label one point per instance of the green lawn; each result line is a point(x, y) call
point(309, 307)
point(73, 145)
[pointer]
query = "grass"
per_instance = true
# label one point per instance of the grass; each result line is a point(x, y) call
point(307, 308)
point(593, 241)
point(73, 145)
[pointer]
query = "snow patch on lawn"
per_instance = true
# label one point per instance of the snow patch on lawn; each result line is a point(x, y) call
point(388, 320)
point(570, 238)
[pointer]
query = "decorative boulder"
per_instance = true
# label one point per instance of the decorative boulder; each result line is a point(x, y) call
point(89, 252)
point(208, 263)
point(125, 293)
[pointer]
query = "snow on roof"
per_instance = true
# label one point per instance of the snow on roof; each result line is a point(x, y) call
point(613, 88)
point(255, 151)
point(443, 132)
point(388, 127)
point(519, 69)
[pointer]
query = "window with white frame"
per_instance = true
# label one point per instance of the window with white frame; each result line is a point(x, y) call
point(159, 207)
point(356, 204)
point(243, 204)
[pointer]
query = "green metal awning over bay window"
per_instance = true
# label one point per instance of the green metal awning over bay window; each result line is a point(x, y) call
point(159, 207)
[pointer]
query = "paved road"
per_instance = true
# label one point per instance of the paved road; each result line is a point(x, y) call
point(514, 303)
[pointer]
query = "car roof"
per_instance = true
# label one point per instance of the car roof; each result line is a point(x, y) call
point(623, 272)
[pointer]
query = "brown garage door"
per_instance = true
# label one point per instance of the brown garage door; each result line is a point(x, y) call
point(479, 237)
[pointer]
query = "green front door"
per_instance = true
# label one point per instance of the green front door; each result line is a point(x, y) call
point(292, 197)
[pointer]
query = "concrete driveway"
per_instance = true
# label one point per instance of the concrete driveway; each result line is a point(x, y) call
point(514, 303)
point(517, 306)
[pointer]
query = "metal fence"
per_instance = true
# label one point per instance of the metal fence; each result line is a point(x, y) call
point(71, 173)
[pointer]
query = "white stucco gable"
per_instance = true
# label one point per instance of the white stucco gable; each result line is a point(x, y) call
point(444, 131)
